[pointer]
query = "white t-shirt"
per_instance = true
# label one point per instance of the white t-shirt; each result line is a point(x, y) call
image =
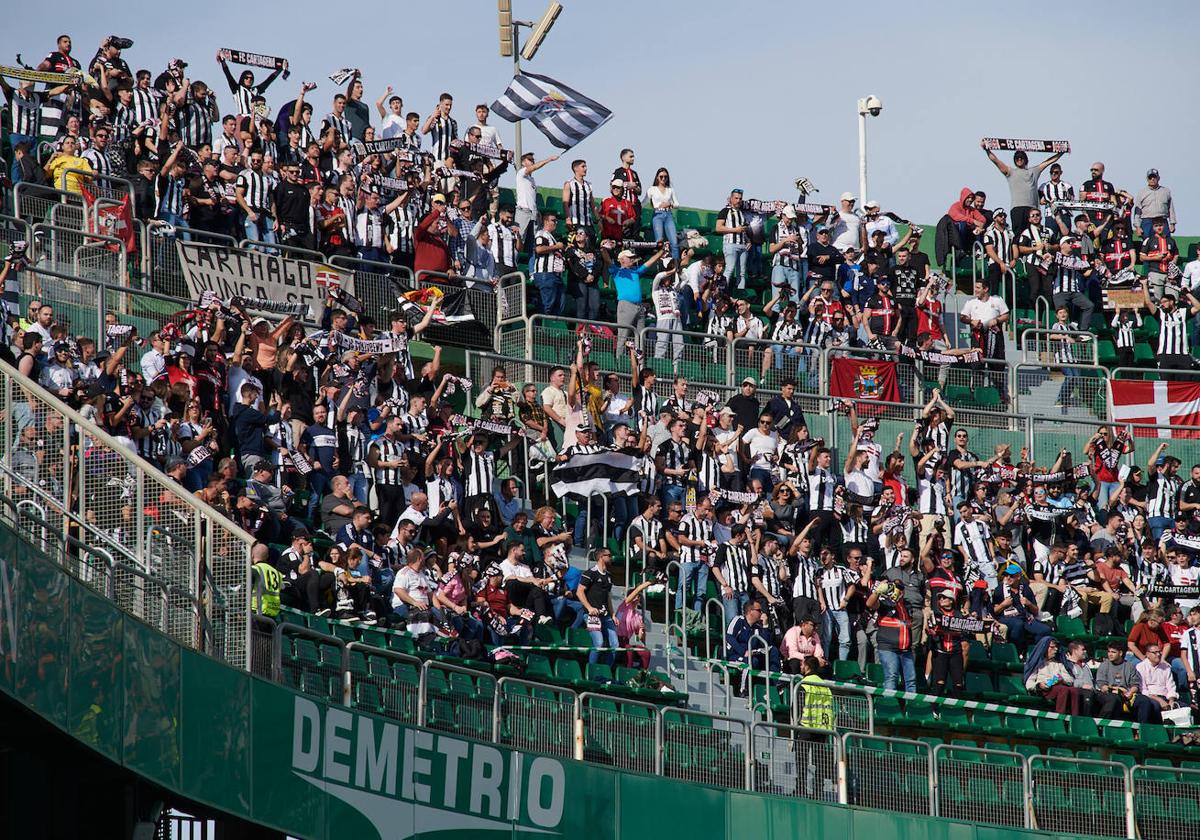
point(488, 135)
point(1191, 275)
point(728, 437)
point(520, 571)
point(526, 191)
point(883, 223)
point(620, 408)
point(754, 330)
point(760, 446)
point(1185, 577)
point(659, 198)
point(556, 400)
point(985, 311)
point(845, 230)
point(693, 278)
point(393, 126)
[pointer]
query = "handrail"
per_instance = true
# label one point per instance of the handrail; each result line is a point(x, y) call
point(92, 430)
point(308, 633)
point(1022, 762)
point(1044, 341)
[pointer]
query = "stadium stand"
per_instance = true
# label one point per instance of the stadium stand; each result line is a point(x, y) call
point(909, 507)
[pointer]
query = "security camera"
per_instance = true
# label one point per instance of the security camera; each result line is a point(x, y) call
point(872, 105)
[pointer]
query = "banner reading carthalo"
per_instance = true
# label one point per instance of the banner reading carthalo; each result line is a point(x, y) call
point(253, 274)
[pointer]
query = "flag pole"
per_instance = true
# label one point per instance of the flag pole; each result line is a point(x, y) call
point(516, 35)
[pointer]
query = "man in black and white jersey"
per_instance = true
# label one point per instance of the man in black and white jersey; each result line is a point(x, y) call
point(548, 265)
point(1163, 486)
point(1174, 348)
point(837, 586)
point(1069, 276)
point(579, 203)
point(822, 484)
point(733, 225)
point(789, 249)
point(385, 456)
point(1035, 244)
point(697, 551)
point(998, 243)
point(257, 201)
point(505, 240)
point(732, 571)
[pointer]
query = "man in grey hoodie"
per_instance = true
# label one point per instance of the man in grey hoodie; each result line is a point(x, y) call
point(1120, 678)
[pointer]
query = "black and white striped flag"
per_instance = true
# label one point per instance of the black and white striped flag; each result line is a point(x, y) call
point(564, 115)
point(604, 471)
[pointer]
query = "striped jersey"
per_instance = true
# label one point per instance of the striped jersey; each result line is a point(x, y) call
point(1173, 332)
point(1064, 349)
point(389, 450)
point(479, 468)
point(694, 528)
point(257, 189)
point(443, 130)
point(931, 495)
point(1031, 237)
point(98, 160)
point(145, 104)
point(503, 244)
point(414, 424)
point(196, 118)
point(550, 262)
point(1053, 191)
point(766, 569)
point(834, 582)
point(25, 113)
point(650, 531)
point(733, 217)
point(961, 480)
point(734, 561)
point(804, 579)
point(791, 254)
point(403, 231)
point(821, 486)
point(1162, 495)
point(972, 538)
point(340, 124)
point(579, 204)
point(1123, 328)
point(1051, 572)
point(675, 457)
point(1001, 240)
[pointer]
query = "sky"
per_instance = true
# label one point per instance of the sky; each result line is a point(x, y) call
point(749, 94)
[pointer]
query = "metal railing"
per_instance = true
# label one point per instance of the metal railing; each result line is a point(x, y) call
point(796, 761)
point(1074, 391)
point(486, 305)
point(87, 481)
point(1040, 346)
point(1164, 799)
point(891, 774)
point(982, 785)
point(1061, 788)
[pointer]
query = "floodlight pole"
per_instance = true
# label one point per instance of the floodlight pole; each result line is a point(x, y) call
point(516, 38)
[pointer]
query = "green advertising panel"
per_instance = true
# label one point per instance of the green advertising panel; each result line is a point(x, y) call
point(264, 753)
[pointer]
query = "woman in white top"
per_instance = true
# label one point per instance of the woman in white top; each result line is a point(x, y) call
point(661, 199)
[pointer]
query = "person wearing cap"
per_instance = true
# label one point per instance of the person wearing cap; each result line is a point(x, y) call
point(1158, 253)
point(847, 229)
point(1154, 201)
point(998, 244)
point(582, 262)
point(626, 277)
point(946, 675)
point(881, 318)
point(875, 222)
point(745, 405)
point(526, 214)
point(433, 251)
point(1022, 182)
point(1013, 605)
point(60, 376)
point(733, 226)
point(789, 254)
point(823, 257)
point(619, 216)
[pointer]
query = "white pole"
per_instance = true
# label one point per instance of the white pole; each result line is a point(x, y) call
point(862, 155)
point(516, 39)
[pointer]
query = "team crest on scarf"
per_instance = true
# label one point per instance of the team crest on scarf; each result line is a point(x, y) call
point(868, 385)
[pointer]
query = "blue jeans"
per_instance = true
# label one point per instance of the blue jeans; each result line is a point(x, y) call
point(550, 288)
point(606, 636)
point(762, 474)
point(568, 611)
point(778, 351)
point(782, 275)
point(735, 262)
point(1019, 628)
point(685, 571)
point(517, 632)
point(671, 493)
point(360, 486)
point(663, 225)
point(1147, 228)
point(897, 665)
point(1158, 524)
point(842, 619)
point(317, 484)
point(468, 626)
point(263, 230)
point(733, 606)
point(1107, 488)
point(687, 307)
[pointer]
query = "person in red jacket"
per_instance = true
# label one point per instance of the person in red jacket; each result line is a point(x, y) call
point(433, 246)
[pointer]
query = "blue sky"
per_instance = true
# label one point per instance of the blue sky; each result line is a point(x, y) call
point(749, 94)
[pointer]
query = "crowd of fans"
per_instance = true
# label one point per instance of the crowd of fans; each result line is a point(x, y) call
point(373, 498)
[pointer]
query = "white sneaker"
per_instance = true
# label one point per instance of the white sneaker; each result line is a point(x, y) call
point(656, 589)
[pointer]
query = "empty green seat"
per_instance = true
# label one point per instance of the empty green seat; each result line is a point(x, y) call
point(537, 667)
point(1085, 731)
point(1006, 657)
point(846, 670)
point(599, 672)
point(887, 710)
point(979, 684)
point(955, 719)
point(1052, 729)
point(567, 670)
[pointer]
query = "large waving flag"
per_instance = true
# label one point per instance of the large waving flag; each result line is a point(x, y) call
point(1165, 404)
point(563, 114)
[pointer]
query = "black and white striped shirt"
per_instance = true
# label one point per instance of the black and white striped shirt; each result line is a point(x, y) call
point(931, 495)
point(855, 530)
point(939, 434)
point(694, 528)
point(479, 468)
point(1173, 332)
point(357, 443)
point(791, 254)
point(733, 217)
point(972, 539)
point(1064, 350)
point(785, 331)
point(145, 104)
point(804, 581)
point(414, 424)
point(404, 224)
point(52, 117)
point(1001, 240)
point(650, 531)
point(644, 399)
point(1162, 495)
point(734, 562)
point(195, 120)
point(98, 160)
point(821, 484)
point(961, 480)
point(170, 195)
point(1060, 191)
point(708, 470)
point(675, 457)
point(504, 244)
point(579, 204)
point(1051, 572)
point(1066, 280)
point(341, 125)
point(766, 569)
point(1123, 329)
point(1031, 237)
point(551, 262)
point(443, 130)
point(25, 113)
point(834, 582)
point(257, 190)
point(389, 450)
point(1146, 573)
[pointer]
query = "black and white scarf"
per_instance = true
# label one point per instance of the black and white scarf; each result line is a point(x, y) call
point(249, 59)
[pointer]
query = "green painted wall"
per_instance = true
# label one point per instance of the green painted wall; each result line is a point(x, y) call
point(264, 753)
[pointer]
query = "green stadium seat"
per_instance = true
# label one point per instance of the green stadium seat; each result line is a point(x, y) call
point(887, 711)
point(977, 656)
point(1027, 750)
point(548, 634)
point(874, 673)
point(846, 670)
point(982, 791)
point(1019, 726)
point(989, 723)
point(955, 719)
point(980, 685)
point(368, 698)
point(407, 673)
point(568, 671)
point(918, 713)
point(598, 672)
point(1006, 658)
point(537, 667)
point(1085, 731)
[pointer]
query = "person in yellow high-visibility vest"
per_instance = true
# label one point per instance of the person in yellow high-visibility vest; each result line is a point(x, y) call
point(272, 581)
point(818, 699)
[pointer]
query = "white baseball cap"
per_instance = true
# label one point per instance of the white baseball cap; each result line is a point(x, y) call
point(847, 196)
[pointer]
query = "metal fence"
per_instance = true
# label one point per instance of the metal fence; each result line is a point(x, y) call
point(92, 485)
point(1166, 801)
point(621, 733)
point(1058, 347)
point(385, 682)
point(853, 709)
point(1074, 391)
point(705, 748)
point(536, 716)
point(892, 774)
point(1065, 788)
point(160, 257)
point(981, 785)
point(311, 662)
point(79, 253)
point(772, 363)
point(490, 305)
point(795, 761)
point(457, 699)
point(36, 204)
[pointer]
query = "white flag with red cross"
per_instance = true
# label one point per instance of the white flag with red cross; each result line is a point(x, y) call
point(1163, 404)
